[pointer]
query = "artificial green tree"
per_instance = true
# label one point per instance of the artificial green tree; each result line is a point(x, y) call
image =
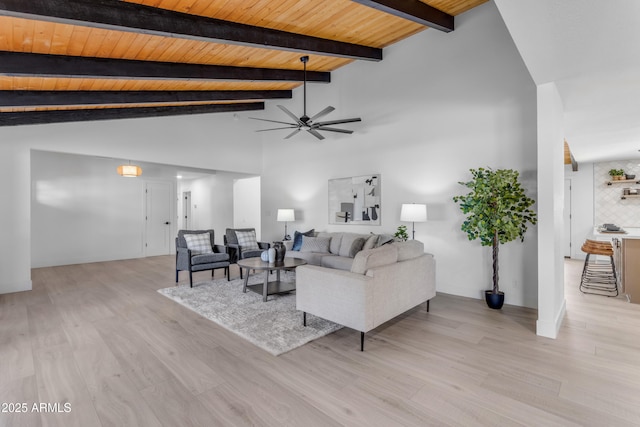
point(497, 208)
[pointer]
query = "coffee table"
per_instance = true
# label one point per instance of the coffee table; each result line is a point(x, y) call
point(274, 287)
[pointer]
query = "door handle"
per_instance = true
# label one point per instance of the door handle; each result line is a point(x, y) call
point(167, 223)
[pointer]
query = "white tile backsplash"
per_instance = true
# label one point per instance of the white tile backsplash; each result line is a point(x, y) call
point(609, 206)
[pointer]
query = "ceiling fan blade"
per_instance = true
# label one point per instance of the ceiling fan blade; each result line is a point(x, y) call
point(274, 121)
point(323, 113)
point(334, 130)
point(287, 127)
point(290, 114)
point(337, 122)
point(315, 133)
point(295, 132)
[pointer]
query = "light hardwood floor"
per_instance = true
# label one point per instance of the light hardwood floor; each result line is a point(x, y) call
point(100, 338)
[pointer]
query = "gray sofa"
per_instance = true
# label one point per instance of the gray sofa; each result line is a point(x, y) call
point(382, 283)
point(334, 250)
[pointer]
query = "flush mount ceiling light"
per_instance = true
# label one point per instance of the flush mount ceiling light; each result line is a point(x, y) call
point(129, 171)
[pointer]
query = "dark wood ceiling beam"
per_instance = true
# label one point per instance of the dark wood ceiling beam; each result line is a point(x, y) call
point(123, 16)
point(414, 10)
point(83, 115)
point(42, 65)
point(31, 98)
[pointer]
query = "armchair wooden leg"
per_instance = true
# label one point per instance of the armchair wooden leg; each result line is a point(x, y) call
point(304, 318)
point(176, 276)
point(190, 279)
point(428, 306)
point(361, 341)
point(227, 273)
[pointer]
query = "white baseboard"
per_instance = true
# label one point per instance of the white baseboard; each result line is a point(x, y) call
point(9, 288)
point(551, 329)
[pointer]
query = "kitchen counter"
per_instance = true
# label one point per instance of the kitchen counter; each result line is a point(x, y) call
point(626, 246)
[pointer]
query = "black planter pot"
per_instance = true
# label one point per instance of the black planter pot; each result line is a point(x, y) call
point(494, 301)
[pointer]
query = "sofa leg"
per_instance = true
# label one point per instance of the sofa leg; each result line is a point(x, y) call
point(304, 318)
point(361, 341)
point(227, 273)
point(190, 279)
point(176, 276)
point(428, 306)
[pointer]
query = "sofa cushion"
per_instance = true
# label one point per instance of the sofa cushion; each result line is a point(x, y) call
point(247, 240)
point(315, 244)
point(209, 258)
point(297, 238)
point(337, 262)
point(199, 243)
point(351, 244)
point(312, 258)
point(409, 249)
point(336, 239)
point(377, 257)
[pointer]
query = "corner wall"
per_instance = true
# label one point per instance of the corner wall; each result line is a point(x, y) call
point(436, 106)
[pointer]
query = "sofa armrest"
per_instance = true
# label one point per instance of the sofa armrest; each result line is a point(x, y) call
point(336, 295)
point(264, 245)
point(219, 249)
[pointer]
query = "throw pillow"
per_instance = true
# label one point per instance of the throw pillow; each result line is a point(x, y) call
point(356, 246)
point(297, 238)
point(371, 242)
point(346, 245)
point(247, 240)
point(199, 243)
point(383, 239)
point(315, 244)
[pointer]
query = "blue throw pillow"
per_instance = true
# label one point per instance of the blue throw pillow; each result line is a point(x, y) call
point(297, 239)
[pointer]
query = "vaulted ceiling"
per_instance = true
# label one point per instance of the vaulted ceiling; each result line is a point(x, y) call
point(76, 60)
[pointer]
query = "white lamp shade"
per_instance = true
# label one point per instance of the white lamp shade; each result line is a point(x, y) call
point(286, 215)
point(413, 212)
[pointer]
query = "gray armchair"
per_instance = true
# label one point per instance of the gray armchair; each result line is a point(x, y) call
point(188, 260)
point(236, 251)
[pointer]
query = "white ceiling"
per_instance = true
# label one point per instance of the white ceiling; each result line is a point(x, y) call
point(591, 50)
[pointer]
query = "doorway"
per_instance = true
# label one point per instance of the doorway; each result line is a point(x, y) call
point(158, 208)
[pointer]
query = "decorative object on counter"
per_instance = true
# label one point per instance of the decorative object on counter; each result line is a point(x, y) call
point(617, 174)
point(401, 234)
point(498, 211)
point(629, 176)
point(286, 215)
point(413, 212)
point(280, 249)
point(272, 255)
point(264, 256)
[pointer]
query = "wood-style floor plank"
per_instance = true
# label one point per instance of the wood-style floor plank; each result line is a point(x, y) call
point(99, 337)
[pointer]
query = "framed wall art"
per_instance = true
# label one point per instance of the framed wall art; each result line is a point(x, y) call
point(355, 200)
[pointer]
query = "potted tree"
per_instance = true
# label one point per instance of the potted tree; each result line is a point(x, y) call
point(498, 211)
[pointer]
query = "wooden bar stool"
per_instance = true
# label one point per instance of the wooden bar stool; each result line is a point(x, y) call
point(599, 277)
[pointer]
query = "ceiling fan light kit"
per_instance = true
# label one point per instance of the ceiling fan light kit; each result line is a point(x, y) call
point(305, 122)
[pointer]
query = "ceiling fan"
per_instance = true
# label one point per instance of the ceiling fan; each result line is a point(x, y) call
point(305, 122)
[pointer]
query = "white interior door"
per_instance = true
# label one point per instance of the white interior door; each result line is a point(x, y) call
point(158, 216)
point(567, 218)
point(186, 210)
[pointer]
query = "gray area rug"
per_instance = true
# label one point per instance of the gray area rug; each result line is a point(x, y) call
point(275, 325)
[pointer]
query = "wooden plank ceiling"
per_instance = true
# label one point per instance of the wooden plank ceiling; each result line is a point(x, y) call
point(66, 60)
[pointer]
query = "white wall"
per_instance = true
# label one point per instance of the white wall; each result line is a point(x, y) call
point(551, 302)
point(437, 105)
point(246, 204)
point(83, 211)
point(582, 217)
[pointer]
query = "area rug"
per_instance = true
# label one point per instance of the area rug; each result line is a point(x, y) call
point(275, 325)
